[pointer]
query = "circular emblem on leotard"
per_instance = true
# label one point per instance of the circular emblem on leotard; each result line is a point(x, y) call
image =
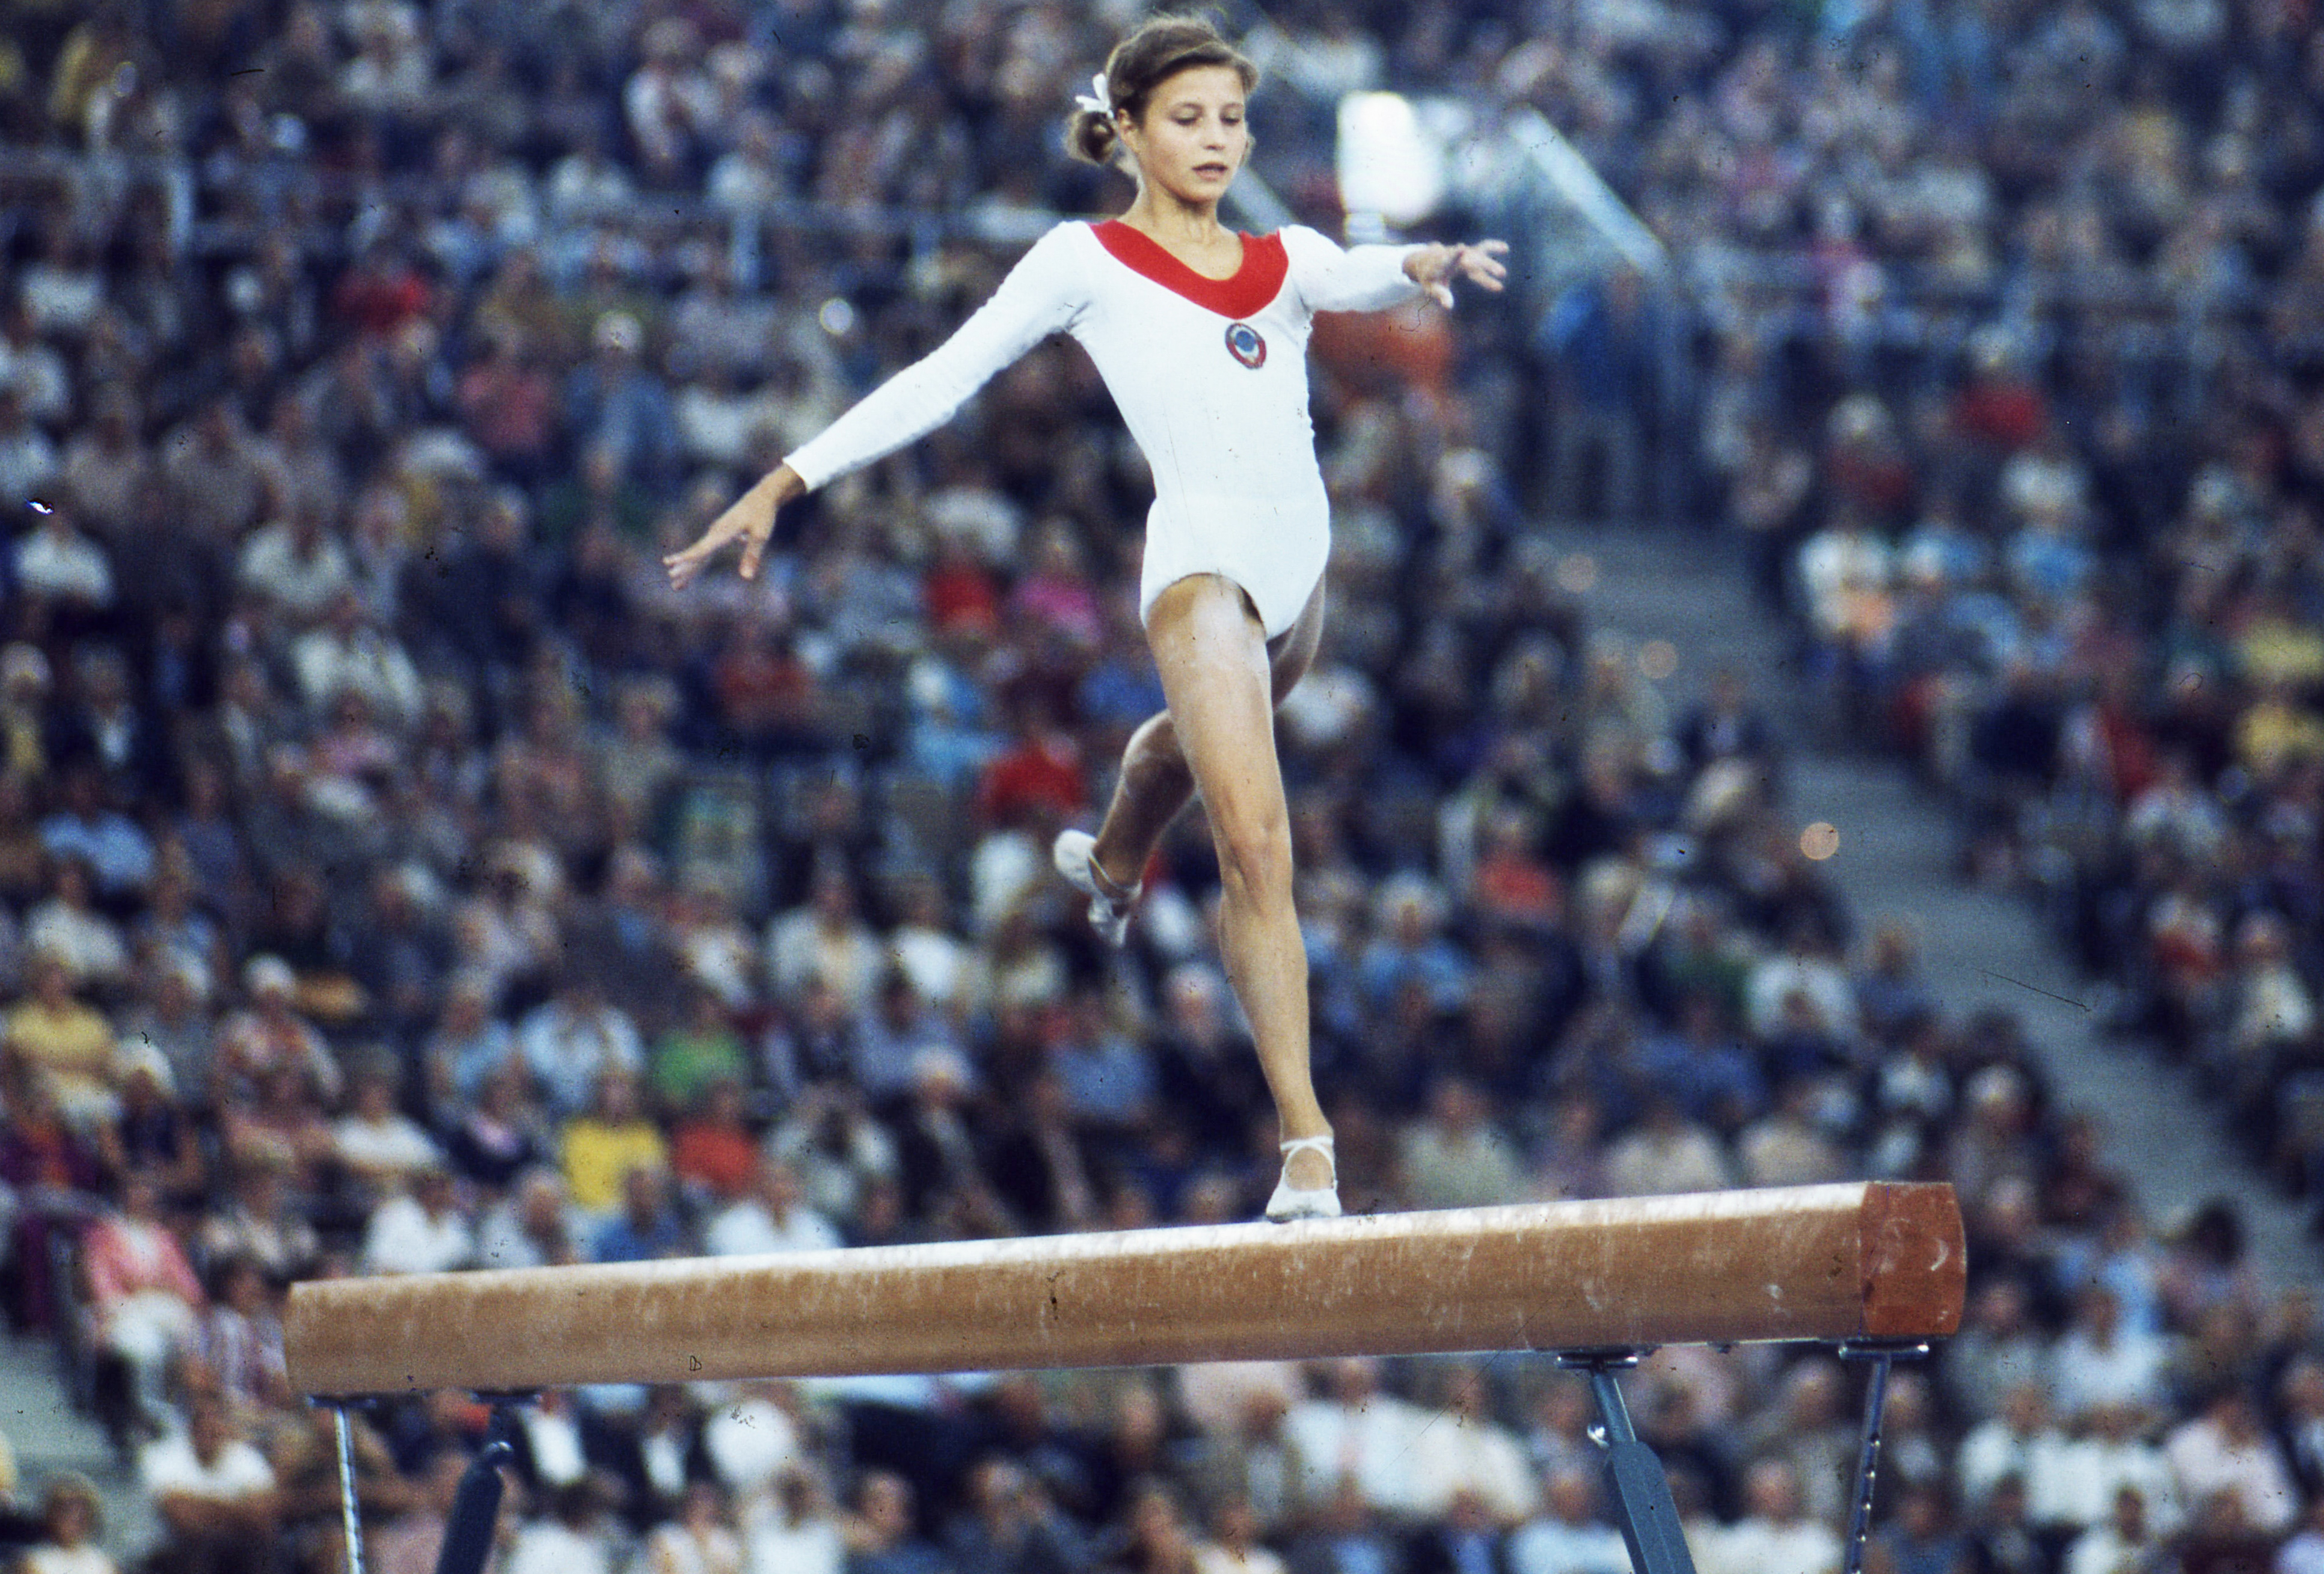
point(1245, 344)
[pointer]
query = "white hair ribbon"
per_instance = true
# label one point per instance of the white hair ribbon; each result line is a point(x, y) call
point(1100, 101)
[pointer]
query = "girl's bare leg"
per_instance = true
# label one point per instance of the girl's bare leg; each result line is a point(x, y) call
point(1155, 785)
point(1220, 681)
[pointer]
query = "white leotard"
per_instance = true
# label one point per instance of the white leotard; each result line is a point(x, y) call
point(1211, 375)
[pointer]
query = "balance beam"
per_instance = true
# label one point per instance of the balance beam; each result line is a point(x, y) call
point(1870, 1260)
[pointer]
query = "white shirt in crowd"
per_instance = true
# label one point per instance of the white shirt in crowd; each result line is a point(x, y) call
point(2102, 1551)
point(1371, 1443)
point(750, 1441)
point(170, 1465)
point(748, 1229)
point(773, 1545)
point(545, 1547)
point(393, 1142)
point(1211, 1557)
point(66, 565)
point(1758, 1546)
point(1994, 1448)
point(2125, 1369)
point(2082, 1480)
point(86, 1559)
point(1548, 1545)
point(2203, 1460)
point(404, 1238)
point(1453, 1455)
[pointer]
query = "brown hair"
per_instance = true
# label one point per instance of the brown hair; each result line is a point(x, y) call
point(1161, 48)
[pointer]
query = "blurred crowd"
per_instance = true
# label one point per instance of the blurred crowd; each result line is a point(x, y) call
point(2039, 471)
point(395, 876)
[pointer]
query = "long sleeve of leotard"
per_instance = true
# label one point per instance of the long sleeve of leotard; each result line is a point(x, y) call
point(1038, 297)
point(1358, 279)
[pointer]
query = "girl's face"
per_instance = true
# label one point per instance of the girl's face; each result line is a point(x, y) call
point(1192, 139)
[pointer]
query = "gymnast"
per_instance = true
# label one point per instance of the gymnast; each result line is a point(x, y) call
point(1201, 336)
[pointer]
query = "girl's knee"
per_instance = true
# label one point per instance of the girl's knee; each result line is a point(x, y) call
point(1255, 855)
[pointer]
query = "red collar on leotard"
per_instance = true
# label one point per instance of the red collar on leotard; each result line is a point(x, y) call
point(1252, 286)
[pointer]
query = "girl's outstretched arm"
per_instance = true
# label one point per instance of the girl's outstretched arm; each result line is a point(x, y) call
point(1039, 296)
point(1372, 278)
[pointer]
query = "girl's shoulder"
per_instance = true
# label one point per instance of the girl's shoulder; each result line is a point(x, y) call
point(1061, 260)
point(1069, 237)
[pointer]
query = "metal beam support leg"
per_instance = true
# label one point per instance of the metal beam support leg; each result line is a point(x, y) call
point(1884, 1358)
point(476, 1505)
point(1642, 1493)
point(350, 1515)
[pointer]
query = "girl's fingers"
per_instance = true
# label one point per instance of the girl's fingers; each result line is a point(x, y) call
point(1479, 262)
point(685, 564)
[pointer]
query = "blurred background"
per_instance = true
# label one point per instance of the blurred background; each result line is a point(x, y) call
point(1825, 678)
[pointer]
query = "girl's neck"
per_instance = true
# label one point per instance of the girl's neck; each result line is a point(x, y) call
point(1167, 219)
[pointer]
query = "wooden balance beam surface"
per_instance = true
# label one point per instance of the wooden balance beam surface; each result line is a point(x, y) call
point(1819, 1263)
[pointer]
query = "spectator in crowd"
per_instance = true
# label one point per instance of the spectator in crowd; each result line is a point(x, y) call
point(699, 1540)
point(1664, 1153)
point(2113, 1451)
point(144, 1294)
point(215, 1492)
point(420, 1230)
point(1454, 1157)
point(572, 1041)
point(880, 1538)
point(71, 1519)
point(533, 1226)
point(1344, 1535)
point(2226, 1450)
point(377, 1144)
point(1467, 1453)
point(257, 1218)
point(239, 1340)
point(55, 1037)
point(2099, 1362)
point(794, 1527)
point(770, 1217)
point(2125, 1540)
point(1775, 1532)
point(571, 1535)
point(605, 1142)
point(1233, 1544)
point(1356, 1434)
point(409, 1542)
point(1566, 1536)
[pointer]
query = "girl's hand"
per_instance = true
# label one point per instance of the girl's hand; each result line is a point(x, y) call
point(751, 519)
point(1433, 268)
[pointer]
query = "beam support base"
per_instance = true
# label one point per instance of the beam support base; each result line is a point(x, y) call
point(1633, 1472)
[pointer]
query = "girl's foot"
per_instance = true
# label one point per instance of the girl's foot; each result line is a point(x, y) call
point(1111, 902)
point(1291, 1201)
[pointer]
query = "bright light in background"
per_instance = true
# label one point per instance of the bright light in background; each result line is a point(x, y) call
point(1390, 162)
